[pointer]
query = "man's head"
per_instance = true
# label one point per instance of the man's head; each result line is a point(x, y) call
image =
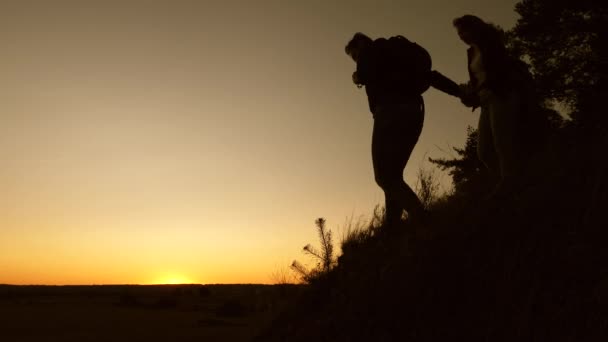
point(359, 42)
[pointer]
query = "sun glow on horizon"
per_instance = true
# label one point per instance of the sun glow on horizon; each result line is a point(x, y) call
point(173, 280)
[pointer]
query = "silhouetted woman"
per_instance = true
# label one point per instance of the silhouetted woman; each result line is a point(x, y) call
point(503, 88)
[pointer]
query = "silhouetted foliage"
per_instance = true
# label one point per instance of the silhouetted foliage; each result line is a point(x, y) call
point(283, 276)
point(325, 256)
point(565, 42)
point(361, 233)
point(469, 175)
point(427, 187)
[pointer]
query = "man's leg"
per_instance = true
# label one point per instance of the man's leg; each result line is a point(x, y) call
point(386, 171)
point(392, 143)
point(410, 201)
point(399, 197)
point(393, 209)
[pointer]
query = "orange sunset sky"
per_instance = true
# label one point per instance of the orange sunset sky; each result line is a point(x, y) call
point(197, 141)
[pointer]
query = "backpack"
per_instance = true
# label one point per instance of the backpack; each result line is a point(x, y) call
point(405, 63)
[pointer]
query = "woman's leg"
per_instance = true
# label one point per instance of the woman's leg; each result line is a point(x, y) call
point(485, 141)
point(505, 112)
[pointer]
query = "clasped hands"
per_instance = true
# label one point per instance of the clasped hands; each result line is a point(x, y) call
point(468, 96)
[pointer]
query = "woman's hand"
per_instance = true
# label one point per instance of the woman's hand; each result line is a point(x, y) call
point(468, 96)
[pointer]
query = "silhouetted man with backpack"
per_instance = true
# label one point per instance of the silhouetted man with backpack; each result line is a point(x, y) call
point(395, 73)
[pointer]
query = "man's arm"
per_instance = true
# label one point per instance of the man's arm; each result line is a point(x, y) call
point(446, 85)
point(365, 67)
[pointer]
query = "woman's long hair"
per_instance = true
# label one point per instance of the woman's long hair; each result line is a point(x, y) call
point(491, 42)
point(489, 37)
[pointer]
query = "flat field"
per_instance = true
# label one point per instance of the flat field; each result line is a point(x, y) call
point(139, 312)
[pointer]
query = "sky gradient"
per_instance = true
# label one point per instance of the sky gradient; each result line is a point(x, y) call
point(197, 141)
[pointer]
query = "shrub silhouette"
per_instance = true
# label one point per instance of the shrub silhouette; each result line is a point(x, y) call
point(427, 187)
point(469, 176)
point(324, 257)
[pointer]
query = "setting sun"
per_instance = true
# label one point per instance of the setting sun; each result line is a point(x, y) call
point(173, 280)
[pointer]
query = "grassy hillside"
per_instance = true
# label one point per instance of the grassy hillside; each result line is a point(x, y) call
point(533, 267)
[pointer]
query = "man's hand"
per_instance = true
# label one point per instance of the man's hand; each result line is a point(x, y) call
point(356, 80)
